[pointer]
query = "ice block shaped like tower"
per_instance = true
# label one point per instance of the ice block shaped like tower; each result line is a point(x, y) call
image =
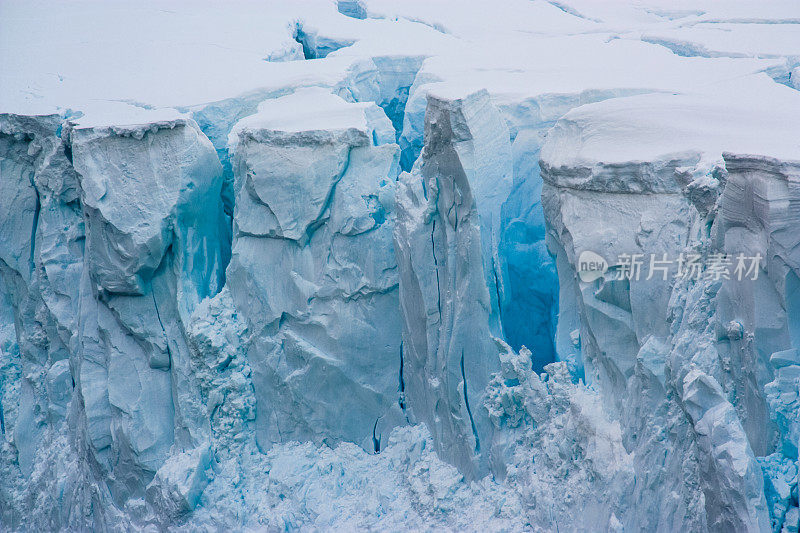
point(446, 242)
point(151, 202)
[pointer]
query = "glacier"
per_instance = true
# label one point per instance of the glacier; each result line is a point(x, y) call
point(320, 265)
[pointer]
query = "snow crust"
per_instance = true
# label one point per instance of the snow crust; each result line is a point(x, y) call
point(753, 115)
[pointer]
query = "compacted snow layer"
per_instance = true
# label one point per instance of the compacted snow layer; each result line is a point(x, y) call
point(315, 265)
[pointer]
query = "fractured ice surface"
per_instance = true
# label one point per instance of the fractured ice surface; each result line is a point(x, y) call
point(312, 266)
point(121, 246)
point(446, 243)
point(611, 196)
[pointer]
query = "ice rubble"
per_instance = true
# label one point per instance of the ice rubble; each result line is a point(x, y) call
point(291, 287)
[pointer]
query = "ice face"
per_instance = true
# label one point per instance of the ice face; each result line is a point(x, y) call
point(446, 242)
point(314, 266)
point(162, 211)
point(119, 251)
point(313, 270)
point(715, 343)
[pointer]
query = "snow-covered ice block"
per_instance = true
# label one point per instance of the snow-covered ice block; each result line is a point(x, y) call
point(122, 241)
point(657, 174)
point(313, 269)
point(666, 157)
point(169, 168)
point(151, 194)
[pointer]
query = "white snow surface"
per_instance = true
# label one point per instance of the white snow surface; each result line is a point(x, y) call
point(306, 110)
point(753, 115)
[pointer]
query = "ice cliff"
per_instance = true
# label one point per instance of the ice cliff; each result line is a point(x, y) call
point(702, 353)
point(312, 268)
point(321, 266)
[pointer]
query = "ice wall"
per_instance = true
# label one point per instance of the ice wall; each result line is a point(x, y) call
point(313, 269)
point(122, 242)
point(693, 356)
point(223, 305)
